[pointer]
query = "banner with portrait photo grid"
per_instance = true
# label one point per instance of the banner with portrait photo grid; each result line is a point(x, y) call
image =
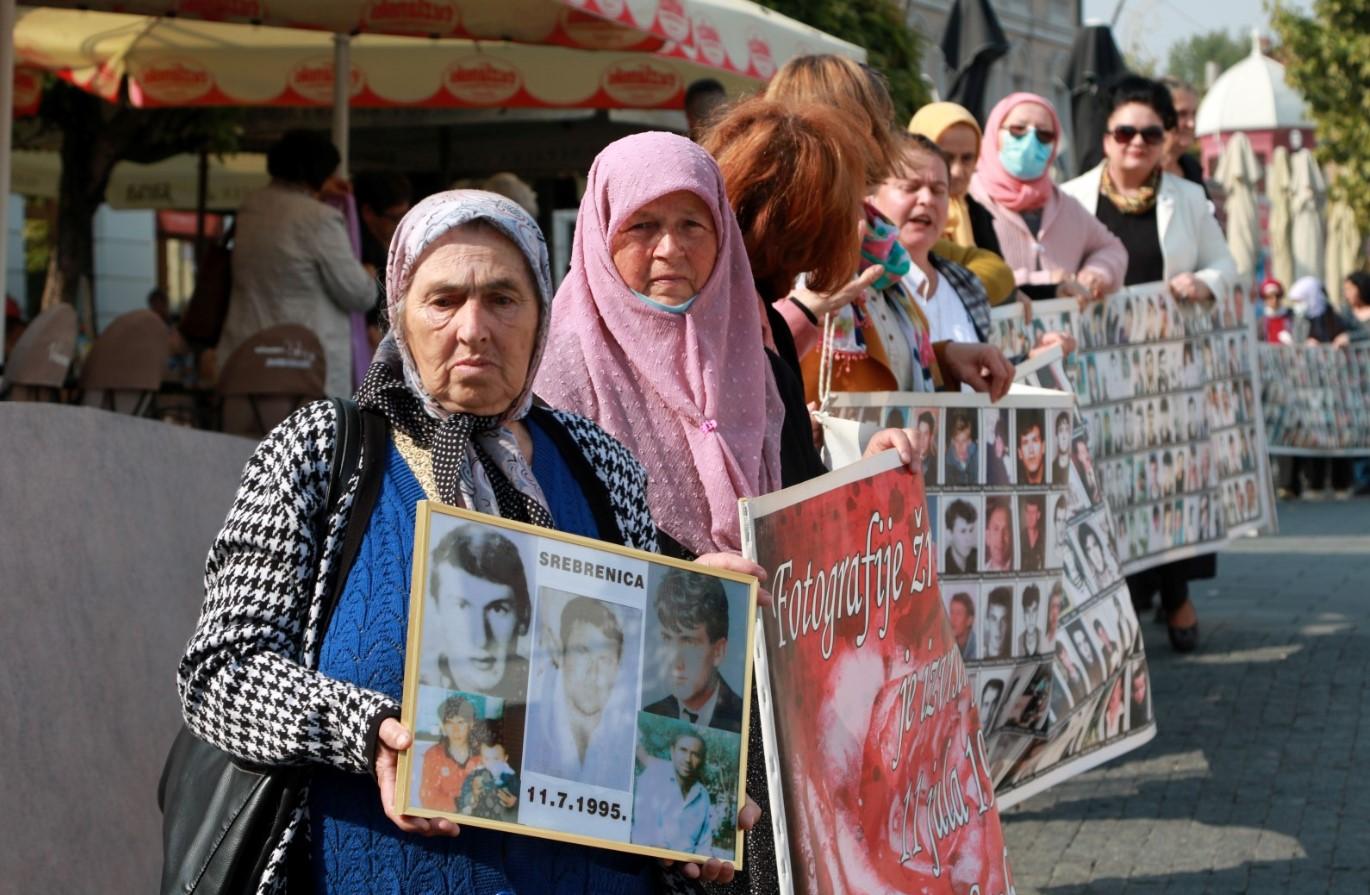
point(1101, 691)
point(1316, 399)
point(571, 689)
point(878, 774)
point(1025, 558)
point(1168, 394)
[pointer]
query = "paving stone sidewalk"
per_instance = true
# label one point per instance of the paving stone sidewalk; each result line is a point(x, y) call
point(1259, 777)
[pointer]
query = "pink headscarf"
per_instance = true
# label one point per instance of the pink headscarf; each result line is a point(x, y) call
point(1001, 186)
point(691, 395)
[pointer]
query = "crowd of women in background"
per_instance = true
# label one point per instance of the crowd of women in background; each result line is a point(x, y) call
point(716, 289)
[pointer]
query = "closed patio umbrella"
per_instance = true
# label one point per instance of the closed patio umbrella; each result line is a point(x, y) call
point(1277, 182)
point(972, 42)
point(1095, 64)
point(1342, 253)
point(1307, 190)
point(1239, 172)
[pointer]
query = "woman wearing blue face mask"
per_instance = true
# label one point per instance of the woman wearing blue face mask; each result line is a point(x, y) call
point(1054, 245)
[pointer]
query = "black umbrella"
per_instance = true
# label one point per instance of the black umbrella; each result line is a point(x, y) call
point(1095, 66)
point(971, 44)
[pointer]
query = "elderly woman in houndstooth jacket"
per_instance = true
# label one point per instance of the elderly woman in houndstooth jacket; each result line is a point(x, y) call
point(469, 306)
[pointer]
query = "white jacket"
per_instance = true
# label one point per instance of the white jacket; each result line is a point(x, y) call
point(1191, 240)
point(293, 263)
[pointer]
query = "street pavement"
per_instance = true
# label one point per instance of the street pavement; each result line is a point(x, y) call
point(1258, 779)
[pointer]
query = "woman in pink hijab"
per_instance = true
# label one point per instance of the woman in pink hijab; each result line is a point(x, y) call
point(656, 336)
point(1054, 245)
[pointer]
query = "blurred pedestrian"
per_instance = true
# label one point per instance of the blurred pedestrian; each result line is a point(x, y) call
point(293, 260)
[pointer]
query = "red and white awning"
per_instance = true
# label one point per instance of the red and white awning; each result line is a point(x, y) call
point(178, 62)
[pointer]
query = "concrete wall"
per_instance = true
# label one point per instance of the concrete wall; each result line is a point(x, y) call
point(105, 521)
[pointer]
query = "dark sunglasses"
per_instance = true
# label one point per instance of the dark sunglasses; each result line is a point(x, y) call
point(1152, 136)
point(1018, 130)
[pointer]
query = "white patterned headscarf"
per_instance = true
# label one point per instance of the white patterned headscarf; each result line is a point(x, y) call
point(476, 459)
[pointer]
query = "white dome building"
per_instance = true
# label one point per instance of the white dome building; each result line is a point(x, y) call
point(1252, 97)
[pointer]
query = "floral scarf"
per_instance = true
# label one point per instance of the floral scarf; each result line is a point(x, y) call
point(1139, 202)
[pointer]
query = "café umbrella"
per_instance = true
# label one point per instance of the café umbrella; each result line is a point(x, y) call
point(1238, 171)
point(731, 36)
point(1342, 254)
point(169, 184)
point(1307, 190)
point(1281, 265)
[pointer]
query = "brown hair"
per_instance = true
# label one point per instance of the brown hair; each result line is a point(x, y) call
point(795, 179)
point(911, 143)
point(851, 87)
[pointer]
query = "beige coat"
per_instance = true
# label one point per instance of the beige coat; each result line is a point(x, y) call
point(293, 263)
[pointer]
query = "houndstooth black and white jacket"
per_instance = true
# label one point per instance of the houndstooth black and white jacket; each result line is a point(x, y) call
point(247, 679)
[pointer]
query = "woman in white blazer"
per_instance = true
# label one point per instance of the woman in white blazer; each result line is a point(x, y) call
point(1171, 235)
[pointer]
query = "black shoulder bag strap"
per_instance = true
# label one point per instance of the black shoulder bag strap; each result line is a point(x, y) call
point(362, 435)
point(222, 818)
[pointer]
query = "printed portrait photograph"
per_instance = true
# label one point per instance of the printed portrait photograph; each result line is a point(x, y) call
point(583, 695)
point(1138, 694)
point(1032, 532)
point(1115, 386)
point(961, 450)
point(962, 603)
point(696, 646)
point(1099, 565)
point(927, 431)
point(997, 627)
point(1031, 447)
point(467, 750)
point(1103, 625)
point(1027, 709)
point(962, 519)
point(685, 786)
point(998, 553)
point(1028, 636)
point(1087, 485)
point(1113, 715)
point(998, 446)
point(991, 686)
point(1058, 519)
point(1058, 604)
point(1085, 655)
point(477, 610)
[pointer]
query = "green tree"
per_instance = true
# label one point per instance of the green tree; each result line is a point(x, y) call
point(1187, 58)
point(96, 135)
point(879, 26)
point(1327, 59)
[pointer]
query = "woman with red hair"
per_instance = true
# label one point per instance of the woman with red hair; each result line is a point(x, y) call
point(881, 340)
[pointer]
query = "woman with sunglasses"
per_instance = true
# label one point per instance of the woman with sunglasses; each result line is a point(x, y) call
point(1164, 220)
point(1171, 235)
point(1054, 245)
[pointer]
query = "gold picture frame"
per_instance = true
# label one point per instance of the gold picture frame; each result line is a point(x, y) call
point(561, 709)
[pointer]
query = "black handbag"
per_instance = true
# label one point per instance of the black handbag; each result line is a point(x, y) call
point(222, 816)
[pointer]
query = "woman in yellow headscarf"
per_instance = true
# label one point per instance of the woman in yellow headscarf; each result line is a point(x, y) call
point(955, 132)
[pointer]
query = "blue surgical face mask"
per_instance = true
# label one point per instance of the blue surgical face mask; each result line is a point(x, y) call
point(669, 309)
point(1024, 157)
